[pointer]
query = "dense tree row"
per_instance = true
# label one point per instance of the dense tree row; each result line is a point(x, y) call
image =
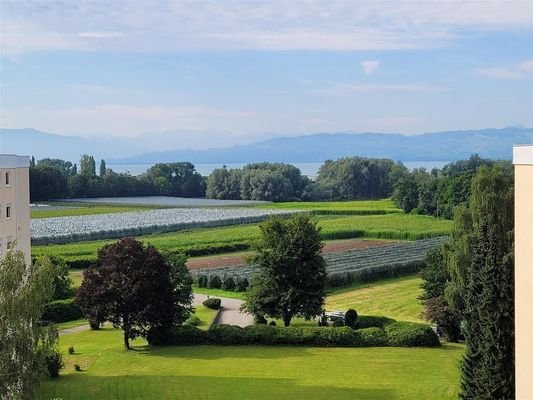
point(438, 192)
point(343, 179)
point(55, 179)
point(470, 283)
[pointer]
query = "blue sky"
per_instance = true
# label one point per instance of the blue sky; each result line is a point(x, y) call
point(225, 72)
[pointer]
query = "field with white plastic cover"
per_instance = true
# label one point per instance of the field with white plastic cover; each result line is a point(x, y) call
point(106, 226)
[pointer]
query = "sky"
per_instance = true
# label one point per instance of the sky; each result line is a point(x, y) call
point(229, 72)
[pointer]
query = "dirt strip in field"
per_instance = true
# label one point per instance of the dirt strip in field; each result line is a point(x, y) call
point(228, 260)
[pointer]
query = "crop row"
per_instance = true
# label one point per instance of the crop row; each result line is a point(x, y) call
point(137, 223)
point(397, 256)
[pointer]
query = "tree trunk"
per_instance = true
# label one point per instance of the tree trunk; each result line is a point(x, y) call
point(287, 319)
point(126, 338)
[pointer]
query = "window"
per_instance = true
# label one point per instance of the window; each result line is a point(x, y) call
point(8, 178)
point(8, 212)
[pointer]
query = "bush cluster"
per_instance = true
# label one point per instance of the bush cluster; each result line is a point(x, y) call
point(212, 303)
point(227, 283)
point(53, 360)
point(61, 311)
point(410, 334)
point(395, 334)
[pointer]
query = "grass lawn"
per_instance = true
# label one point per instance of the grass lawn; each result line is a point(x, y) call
point(390, 226)
point(83, 209)
point(70, 324)
point(206, 316)
point(233, 373)
point(219, 293)
point(394, 298)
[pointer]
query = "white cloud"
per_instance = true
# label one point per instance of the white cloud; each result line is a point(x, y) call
point(520, 71)
point(370, 66)
point(271, 25)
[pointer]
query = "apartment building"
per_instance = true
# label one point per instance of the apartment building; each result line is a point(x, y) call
point(523, 161)
point(15, 204)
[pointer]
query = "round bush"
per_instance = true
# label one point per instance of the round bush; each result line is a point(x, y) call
point(229, 284)
point(350, 318)
point(213, 303)
point(215, 282)
point(242, 285)
point(54, 362)
point(202, 281)
point(410, 334)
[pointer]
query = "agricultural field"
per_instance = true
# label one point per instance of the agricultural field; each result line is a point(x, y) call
point(258, 372)
point(71, 209)
point(167, 201)
point(355, 261)
point(240, 237)
point(87, 227)
point(356, 207)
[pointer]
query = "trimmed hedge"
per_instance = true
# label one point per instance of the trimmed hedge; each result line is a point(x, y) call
point(402, 334)
point(61, 311)
point(410, 334)
point(367, 321)
point(213, 303)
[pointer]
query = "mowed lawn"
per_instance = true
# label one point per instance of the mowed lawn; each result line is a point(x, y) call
point(394, 298)
point(233, 373)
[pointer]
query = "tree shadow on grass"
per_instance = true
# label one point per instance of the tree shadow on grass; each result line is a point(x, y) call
point(85, 387)
point(214, 352)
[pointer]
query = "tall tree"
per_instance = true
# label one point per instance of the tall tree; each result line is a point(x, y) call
point(87, 165)
point(138, 289)
point(291, 274)
point(24, 290)
point(103, 168)
point(483, 270)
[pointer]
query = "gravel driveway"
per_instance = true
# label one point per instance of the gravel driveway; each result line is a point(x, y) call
point(229, 311)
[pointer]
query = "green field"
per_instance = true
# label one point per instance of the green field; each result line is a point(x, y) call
point(84, 209)
point(390, 226)
point(384, 206)
point(233, 373)
point(394, 298)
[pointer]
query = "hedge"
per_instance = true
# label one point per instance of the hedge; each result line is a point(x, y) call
point(410, 334)
point(213, 303)
point(61, 311)
point(400, 334)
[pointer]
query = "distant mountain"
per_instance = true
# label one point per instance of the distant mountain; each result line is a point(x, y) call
point(437, 146)
point(32, 142)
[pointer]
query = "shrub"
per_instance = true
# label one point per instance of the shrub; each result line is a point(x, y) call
point(371, 337)
point(226, 334)
point(61, 311)
point(410, 334)
point(95, 325)
point(71, 350)
point(215, 282)
point(260, 320)
point(242, 285)
point(178, 335)
point(229, 284)
point(77, 367)
point(202, 281)
point(213, 303)
point(272, 323)
point(338, 323)
point(350, 318)
point(369, 321)
point(54, 362)
point(193, 320)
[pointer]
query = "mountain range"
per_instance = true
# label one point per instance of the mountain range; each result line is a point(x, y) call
point(436, 146)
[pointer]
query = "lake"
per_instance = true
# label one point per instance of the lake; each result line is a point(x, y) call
point(309, 169)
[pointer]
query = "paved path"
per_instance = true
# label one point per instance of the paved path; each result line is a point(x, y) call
point(229, 312)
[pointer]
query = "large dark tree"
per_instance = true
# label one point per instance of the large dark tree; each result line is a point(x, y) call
point(291, 274)
point(135, 288)
point(481, 270)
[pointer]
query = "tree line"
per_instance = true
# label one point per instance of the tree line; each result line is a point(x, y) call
point(59, 179)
